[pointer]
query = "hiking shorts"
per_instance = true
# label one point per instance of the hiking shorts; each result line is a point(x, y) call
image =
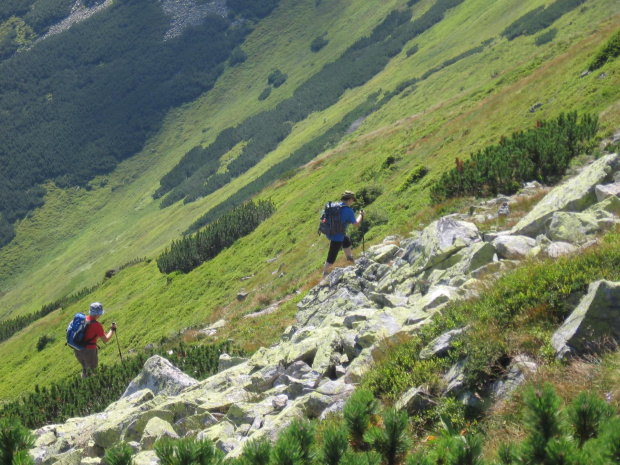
point(88, 358)
point(334, 248)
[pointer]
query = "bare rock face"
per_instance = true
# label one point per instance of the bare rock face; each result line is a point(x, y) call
point(596, 318)
point(161, 377)
point(575, 195)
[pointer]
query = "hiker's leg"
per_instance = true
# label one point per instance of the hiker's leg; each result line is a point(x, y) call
point(80, 358)
point(91, 359)
point(334, 248)
point(346, 245)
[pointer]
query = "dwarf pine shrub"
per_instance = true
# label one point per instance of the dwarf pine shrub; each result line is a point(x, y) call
point(391, 441)
point(586, 413)
point(335, 444)
point(188, 451)
point(257, 452)
point(359, 415)
point(608, 52)
point(542, 421)
point(15, 440)
point(120, 454)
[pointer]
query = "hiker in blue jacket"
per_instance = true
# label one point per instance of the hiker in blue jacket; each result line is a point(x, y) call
point(338, 241)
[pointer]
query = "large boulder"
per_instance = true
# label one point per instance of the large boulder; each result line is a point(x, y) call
point(596, 318)
point(161, 377)
point(439, 241)
point(514, 247)
point(575, 195)
point(571, 227)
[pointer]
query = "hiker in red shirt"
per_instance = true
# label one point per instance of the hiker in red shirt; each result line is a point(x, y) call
point(89, 358)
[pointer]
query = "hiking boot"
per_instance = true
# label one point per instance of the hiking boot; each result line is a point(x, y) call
point(350, 258)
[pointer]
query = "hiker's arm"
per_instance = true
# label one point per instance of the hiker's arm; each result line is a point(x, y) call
point(359, 219)
point(106, 337)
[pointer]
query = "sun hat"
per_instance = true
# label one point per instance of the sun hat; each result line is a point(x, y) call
point(96, 309)
point(346, 195)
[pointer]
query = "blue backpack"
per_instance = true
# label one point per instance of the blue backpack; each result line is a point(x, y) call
point(331, 223)
point(76, 330)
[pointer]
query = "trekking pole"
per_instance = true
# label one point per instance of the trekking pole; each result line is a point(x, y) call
point(363, 236)
point(118, 345)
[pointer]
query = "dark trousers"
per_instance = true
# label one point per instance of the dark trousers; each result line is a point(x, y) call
point(334, 248)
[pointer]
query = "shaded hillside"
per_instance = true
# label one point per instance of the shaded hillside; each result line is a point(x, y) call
point(77, 103)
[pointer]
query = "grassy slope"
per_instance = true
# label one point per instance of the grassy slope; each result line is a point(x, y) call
point(455, 111)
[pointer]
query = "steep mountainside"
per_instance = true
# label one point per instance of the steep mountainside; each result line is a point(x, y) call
point(321, 97)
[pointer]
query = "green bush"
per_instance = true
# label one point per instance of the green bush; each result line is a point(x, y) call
point(392, 440)
point(237, 56)
point(15, 440)
point(120, 454)
point(43, 341)
point(318, 43)
point(265, 94)
point(277, 78)
point(586, 414)
point(188, 451)
point(546, 37)
point(542, 153)
point(608, 52)
point(190, 252)
point(359, 415)
point(414, 176)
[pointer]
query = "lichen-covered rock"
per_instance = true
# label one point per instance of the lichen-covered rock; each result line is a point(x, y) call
point(226, 361)
point(379, 327)
point(414, 401)
point(439, 346)
point(244, 412)
point(383, 253)
point(327, 395)
point(596, 317)
point(559, 249)
point(264, 378)
point(455, 378)
point(513, 247)
point(155, 429)
point(439, 241)
point(575, 195)
point(161, 377)
point(571, 227)
point(604, 191)
point(147, 457)
point(520, 368)
point(359, 367)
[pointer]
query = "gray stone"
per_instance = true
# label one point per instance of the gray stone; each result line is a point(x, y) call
point(439, 346)
point(520, 368)
point(147, 457)
point(455, 378)
point(607, 190)
point(571, 227)
point(596, 318)
point(439, 241)
point(513, 247)
point(326, 395)
point(575, 195)
point(226, 361)
point(559, 249)
point(279, 401)
point(383, 253)
point(161, 377)
point(264, 378)
point(155, 429)
point(299, 370)
point(414, 401)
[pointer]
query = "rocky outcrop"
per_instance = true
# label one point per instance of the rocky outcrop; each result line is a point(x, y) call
point(575, 195)
point(596, 317)
point(393, 291)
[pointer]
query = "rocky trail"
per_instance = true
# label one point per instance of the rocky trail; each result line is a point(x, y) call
point(396, 289)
